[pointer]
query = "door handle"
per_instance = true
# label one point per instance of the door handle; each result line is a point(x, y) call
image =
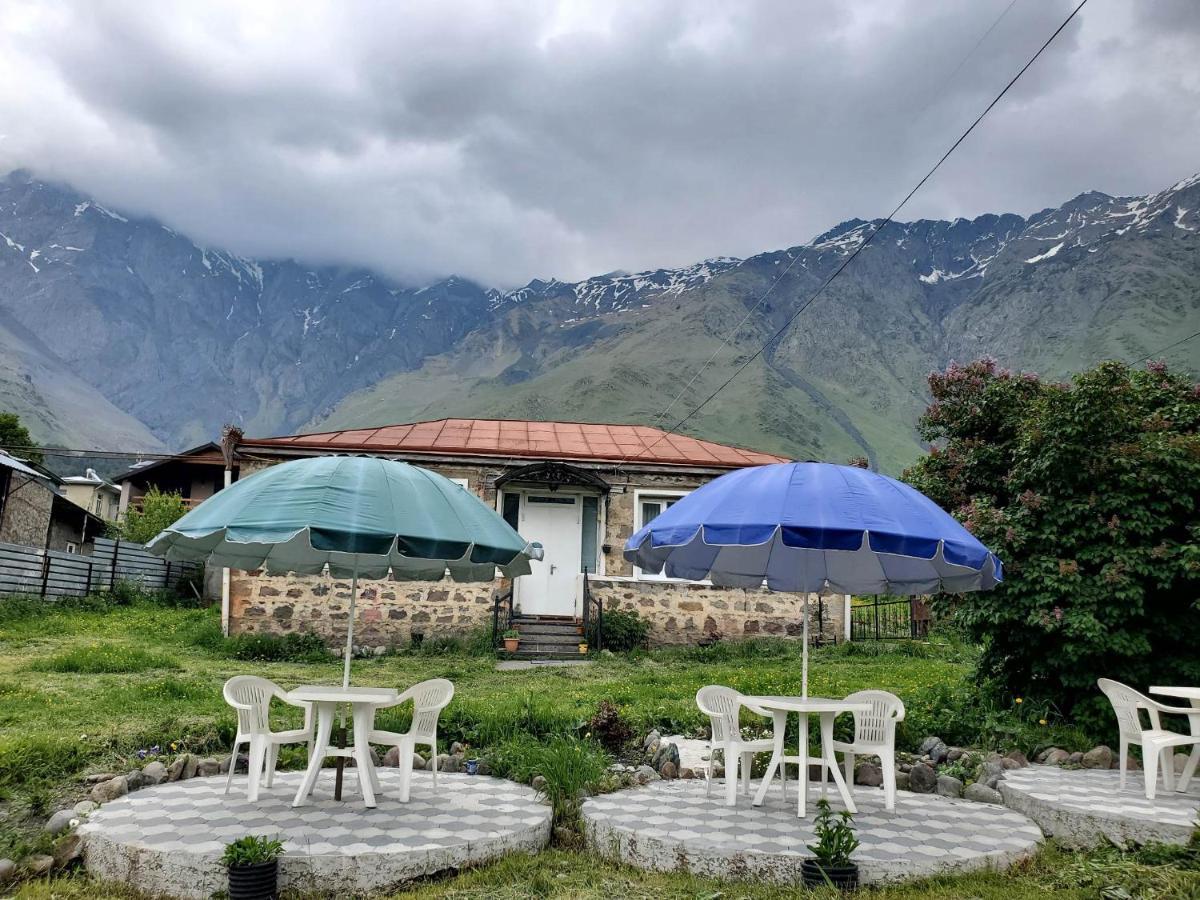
point(552, 568)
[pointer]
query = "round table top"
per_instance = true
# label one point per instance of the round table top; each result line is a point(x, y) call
point(807, 704)
point(320, 693)
point(1191, 693)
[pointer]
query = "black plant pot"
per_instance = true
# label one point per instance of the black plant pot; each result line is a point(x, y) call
point(817, 874)
point(256, 881)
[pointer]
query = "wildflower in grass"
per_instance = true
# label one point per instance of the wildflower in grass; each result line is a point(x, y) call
point(1020, 700)
point(1041, 721)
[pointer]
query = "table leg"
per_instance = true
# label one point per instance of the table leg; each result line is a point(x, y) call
point(325, 712)
point(732, 761)
point(362, 753)
point(406, 756)
point(258, 752)
point(780, 726)
point(829, 760)
point(1194, 757)
point(802, 783)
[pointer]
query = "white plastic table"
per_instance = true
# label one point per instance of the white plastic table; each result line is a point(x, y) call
point(1191, 694)
point(827, 709)
point(362, 702)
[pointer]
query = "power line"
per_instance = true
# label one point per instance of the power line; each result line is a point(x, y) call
point(1166, 348)
point(870, 237)
point(792, 262)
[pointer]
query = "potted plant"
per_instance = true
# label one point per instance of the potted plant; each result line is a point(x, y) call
point(512, 639)
point(583, 646)
point(835, 842)
point(253, 864)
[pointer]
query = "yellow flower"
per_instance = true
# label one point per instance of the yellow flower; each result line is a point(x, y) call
point(1041, 721)
point(1019, 700)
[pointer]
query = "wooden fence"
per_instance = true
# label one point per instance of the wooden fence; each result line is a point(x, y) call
point(52, 573)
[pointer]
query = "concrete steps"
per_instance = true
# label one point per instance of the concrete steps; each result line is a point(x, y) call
point(546, 638)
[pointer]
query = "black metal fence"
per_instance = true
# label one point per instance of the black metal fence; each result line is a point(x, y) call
point(889, 619)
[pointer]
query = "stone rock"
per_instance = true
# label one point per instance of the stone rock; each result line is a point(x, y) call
point(208, 767)
point(135, 780)
point(154, 772)
point(718, 771)
point(68, 851)
point(928, 744)
point(8, 869)
point(418, 762)
point(1019, 758)
point(902, 781)
point(668, 770)
point(1008, 765)
point(687, 773)
point(646, 774)
point(110, 790)
point(485, 768)
point(1098, 758)
point(190, 766)
point(905, 767)
point(1131, 764)
point(392, 757)
point(1075, 759)
point(175, 772)
point(989, 771)
point(457, 749)
point(1056, 757)
point(869, 774)
point(939, 752)
point(949, 786)
point(651, 741)
point(922, 779)
point(59, 822)
point(666, 753)
point(954, 754)
point(39, 864)
point(538, 783)
point(981, 793)
point(83, 808)
point(1180, 760)
point(98, 777)
point(452, 764)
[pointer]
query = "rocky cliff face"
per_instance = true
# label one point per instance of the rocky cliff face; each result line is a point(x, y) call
point(160, 339)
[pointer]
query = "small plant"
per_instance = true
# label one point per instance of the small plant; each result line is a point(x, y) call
point(835, 843)
point(512, 634)
point(623, 630)
point(570, 766)
point(607, 727)
point(251, 849)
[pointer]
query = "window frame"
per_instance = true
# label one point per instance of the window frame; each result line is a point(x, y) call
point(639, 495)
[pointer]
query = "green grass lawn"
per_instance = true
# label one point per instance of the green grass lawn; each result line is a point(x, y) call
point(81, 690)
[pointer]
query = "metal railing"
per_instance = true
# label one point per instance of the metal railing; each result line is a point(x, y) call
point(502, 614)
point(887, 620)
point(593, 616)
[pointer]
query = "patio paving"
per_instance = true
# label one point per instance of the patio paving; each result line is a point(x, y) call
point(1086, 807)
point(168, 839)
point(672, 825)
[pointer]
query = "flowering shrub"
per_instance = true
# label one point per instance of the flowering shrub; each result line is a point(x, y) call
point(1090, 494)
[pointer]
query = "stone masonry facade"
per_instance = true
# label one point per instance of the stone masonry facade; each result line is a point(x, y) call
point(390, 612)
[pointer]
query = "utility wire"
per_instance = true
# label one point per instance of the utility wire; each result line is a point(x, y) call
point(870, 237)
point(1166, 348)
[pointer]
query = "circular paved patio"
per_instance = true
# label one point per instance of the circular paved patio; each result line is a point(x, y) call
point(672, 825)
point(1087, 807)
point(168, 839)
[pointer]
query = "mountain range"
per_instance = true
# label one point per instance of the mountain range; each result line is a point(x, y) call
point(117, 332)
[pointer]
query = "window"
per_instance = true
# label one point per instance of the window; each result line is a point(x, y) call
point(72, 547)
point(650, 506)
point(589, 545)
point(462, 483)
point(511, 510)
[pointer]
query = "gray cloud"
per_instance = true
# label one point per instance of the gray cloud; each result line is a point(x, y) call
point(503, 141)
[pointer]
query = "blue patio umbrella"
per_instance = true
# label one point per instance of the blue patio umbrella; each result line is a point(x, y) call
point(811, 527)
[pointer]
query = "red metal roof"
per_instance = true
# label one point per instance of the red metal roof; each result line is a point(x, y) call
point(536, 440)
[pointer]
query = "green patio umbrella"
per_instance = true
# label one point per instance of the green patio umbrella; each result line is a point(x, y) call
point(358, 515)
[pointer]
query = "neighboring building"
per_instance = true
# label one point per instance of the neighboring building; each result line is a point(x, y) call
point(579, 489)
point(194, 474)
point(93, 493)
point(33, 512)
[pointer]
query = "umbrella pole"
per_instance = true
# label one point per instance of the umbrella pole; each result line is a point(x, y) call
point(341, 763)
point(804, 654)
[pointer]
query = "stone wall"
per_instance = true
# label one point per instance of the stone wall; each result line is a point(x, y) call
point(26, 512)
point(387, 612)
point(686, 613)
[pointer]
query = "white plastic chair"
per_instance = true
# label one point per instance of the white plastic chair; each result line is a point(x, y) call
point(1127, 704)
point(429, 698)
point(723, 706)
point(874, 735)
point(251, 696)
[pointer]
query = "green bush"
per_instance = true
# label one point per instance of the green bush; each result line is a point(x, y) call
point(158, 511)
point(294, 647)
point(106, 658)
point(1090, 494)
point(570, 766)
point(624, 630)
point(248, 850)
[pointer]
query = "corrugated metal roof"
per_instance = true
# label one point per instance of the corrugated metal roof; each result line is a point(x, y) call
point(521, 438)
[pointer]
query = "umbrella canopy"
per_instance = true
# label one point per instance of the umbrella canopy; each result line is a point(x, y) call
point(356, 514)
point(814, 527)
point(359, 516)
point(811, 527)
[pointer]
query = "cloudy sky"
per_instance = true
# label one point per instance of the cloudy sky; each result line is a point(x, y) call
point(507, 140)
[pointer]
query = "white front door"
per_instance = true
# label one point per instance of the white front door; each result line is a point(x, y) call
point(556, 522)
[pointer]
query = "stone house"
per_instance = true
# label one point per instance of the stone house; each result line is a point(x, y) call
point(579, 489)
point(35, 513)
